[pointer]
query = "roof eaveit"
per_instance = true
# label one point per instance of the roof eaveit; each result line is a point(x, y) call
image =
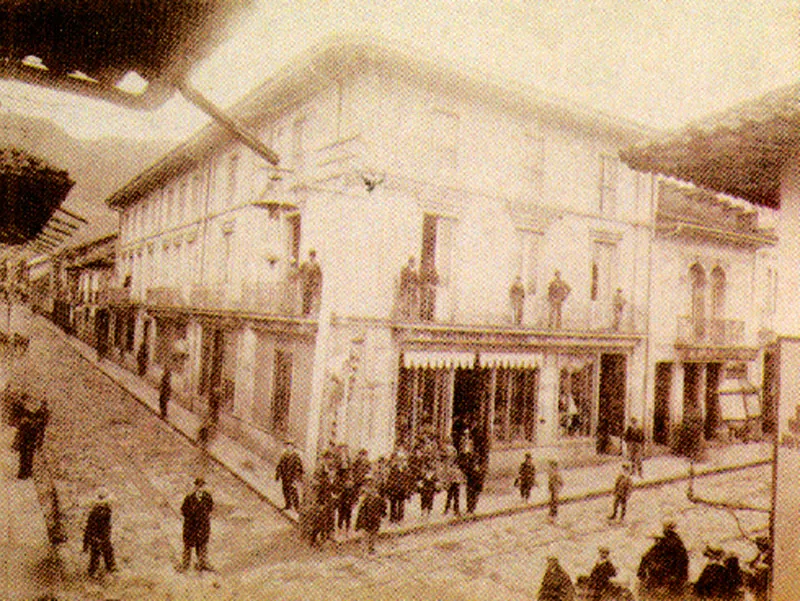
point(740, 152)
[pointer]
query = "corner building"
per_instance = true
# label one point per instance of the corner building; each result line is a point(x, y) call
point(384, 158)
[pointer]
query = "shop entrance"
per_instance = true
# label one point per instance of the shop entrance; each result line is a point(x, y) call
point(470, 402)
point(611, 408)
point(663, 389)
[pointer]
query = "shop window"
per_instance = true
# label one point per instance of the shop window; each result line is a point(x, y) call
point(515, 405)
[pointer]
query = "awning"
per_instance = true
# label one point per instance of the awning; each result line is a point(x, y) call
point(519, 360)
point(437, 359)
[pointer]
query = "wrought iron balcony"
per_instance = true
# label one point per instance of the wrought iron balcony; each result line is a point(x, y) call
point(164, 297)
point(710, 332)
point(269, 298)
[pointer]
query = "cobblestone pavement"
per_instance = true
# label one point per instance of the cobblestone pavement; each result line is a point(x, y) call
point(100, 436)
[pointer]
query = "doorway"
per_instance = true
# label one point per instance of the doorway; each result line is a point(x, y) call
point(691, 390)
point(663, 390)
point(769, 387)
point(611, 409)
point(713, 371)
point(470, 400)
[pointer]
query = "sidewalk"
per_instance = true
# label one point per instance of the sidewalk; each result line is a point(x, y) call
point(580, 483)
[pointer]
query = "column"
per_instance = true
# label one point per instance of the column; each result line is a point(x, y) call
point(547, 428)
point(245, 375)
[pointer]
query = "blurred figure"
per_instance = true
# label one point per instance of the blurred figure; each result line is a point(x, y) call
point(622, 491)
point(556, 583)
point(664, 568)
point(526, 478)
point(634, 440)
point(599, 583)
point(452, 477)
point(409, 291)
point(371, 513)
point(517, 297)
point(554, 485)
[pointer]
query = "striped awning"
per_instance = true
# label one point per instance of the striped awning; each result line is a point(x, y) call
point(437, 359)
point(517, 360)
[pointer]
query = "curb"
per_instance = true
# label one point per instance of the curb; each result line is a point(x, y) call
point(419, 527)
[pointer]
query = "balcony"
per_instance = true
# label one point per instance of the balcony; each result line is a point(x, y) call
point(593, 316)
point(710, 332)
point(270, 298)
point(164, 297)
point(109, 297)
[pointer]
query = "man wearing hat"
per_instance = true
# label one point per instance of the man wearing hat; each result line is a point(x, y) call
point(599, 584)
point(289, 471)
point(196, 510)
point(97, 534)
point(664, 569)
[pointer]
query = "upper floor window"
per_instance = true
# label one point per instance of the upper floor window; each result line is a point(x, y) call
point(697, 277)
point(603, 270)
point(609, 174)
point(717, 292)
point(444, 141)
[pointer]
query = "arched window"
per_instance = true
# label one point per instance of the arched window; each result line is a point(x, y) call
point(717, 292)
point(698, 278)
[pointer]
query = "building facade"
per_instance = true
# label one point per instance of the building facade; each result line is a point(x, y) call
point(713, 303)
point(385, 158)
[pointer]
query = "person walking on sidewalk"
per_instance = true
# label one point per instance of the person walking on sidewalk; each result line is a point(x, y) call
point(164, 392)
point(554, 485)
point(289, 472)
point(634, 440)
point(97, 535)
point(526, 479)
point(196, 510)
point(370, 513)
point(622, 491)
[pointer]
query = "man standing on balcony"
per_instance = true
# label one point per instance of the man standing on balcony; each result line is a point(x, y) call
point(517, 294)
point(311, 284)
point(428, 279)
point(409, 291)
point(618, 305)
point(557, 293)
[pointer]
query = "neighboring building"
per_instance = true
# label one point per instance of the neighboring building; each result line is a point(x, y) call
point(389, 158)
point(749, 152)
point(713, 299)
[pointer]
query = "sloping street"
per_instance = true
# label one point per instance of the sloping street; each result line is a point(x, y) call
point(101, 437)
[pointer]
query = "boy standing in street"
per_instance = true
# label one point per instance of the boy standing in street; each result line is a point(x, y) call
point(97, 535)
point(371, 513)
point(526, 479)
point(622, 490)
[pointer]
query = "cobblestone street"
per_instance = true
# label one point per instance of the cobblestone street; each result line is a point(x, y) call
point(99, 436)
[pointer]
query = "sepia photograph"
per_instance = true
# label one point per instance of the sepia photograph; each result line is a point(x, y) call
point(399, 300)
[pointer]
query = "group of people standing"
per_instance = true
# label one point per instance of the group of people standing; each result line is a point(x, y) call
point(418, 291)
point(339, 482)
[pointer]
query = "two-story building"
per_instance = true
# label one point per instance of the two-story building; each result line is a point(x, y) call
point(384, 158)
point(713, 298)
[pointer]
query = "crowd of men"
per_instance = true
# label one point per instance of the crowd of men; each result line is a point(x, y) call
point(340, 482)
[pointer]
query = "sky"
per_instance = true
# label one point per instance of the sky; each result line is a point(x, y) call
point(661, 63)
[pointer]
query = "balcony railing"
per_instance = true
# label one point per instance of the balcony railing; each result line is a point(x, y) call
point(270, 298)
point(164, 297)
point(593, 316)
point(113, 296)
point(710, 332)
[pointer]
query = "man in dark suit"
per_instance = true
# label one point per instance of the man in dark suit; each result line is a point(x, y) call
point(290, 471)
point(196, 510)
point(97, 535)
